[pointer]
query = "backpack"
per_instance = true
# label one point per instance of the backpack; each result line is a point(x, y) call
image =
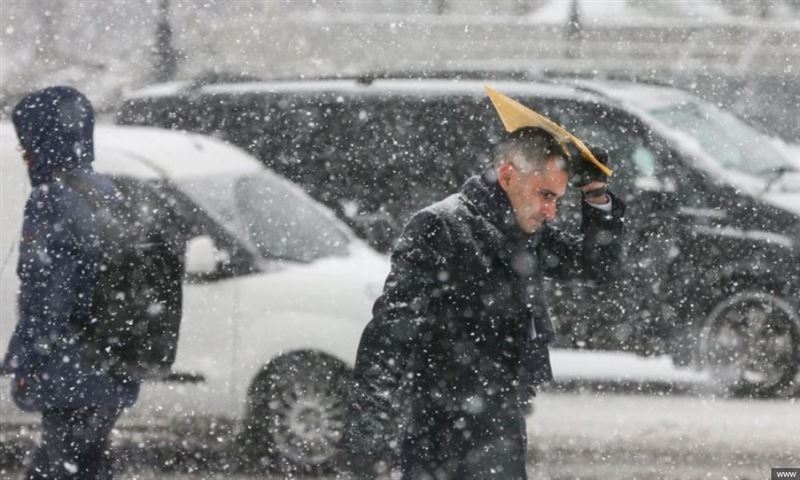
point(132, 331)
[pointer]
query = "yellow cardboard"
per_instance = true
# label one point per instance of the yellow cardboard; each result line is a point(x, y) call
point(515, 115)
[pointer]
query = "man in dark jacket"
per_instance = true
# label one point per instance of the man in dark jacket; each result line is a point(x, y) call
point(460, 335)
point(58, 270)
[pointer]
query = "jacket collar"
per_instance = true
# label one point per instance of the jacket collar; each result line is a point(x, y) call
point(510, 245)
point(491, 202)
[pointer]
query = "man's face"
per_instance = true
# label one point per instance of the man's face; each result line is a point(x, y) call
point(26, 156)
point(534, 196)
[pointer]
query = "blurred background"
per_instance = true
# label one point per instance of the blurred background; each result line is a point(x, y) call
point(610, 414)
point(740, 54)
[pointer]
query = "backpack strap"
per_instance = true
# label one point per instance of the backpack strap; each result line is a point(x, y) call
point(81, 186)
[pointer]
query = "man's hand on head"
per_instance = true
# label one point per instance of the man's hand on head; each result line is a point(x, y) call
point(590, 179)
point(585, 173)
point(596, 193)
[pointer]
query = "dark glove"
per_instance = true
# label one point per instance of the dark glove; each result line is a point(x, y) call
point(585, 172)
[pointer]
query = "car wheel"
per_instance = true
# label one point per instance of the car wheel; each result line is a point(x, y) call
point(750, 344)
point(296, 412)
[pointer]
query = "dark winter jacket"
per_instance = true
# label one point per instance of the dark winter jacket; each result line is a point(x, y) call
point(462, 328)
point(59, 260)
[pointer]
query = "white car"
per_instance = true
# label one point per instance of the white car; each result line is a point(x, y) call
point(276, 295)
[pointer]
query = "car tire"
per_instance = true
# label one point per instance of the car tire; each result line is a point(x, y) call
point(296, 413)
point(750, 344)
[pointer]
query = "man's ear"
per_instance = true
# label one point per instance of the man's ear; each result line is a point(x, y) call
point(505, 175)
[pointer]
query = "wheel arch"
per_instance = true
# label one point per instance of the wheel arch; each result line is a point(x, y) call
point(264, 370)
point(261, 342)
point(706, 342)
point(700, 292)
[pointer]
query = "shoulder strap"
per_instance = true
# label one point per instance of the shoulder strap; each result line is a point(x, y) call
point(80, 185)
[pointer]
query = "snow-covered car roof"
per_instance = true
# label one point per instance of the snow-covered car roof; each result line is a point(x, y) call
point(172, 154)
point(427, 86)
point(146, 152)
point(158, 90)
point(641, 96)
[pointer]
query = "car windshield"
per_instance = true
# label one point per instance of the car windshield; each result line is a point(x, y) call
point(271, 214)
point(725, 138)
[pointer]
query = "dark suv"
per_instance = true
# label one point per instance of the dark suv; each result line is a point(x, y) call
point(713, 249)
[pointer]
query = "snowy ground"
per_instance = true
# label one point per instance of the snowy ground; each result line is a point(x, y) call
point(659, 425)
point(632, 436)
point(581, 435)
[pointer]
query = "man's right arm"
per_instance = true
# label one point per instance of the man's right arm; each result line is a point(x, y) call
point(417, 279)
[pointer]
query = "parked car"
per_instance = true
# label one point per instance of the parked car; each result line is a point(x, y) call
point(712, 274)
point(276, 295)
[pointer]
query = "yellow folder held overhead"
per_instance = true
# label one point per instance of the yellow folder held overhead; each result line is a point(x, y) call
point(515, 115)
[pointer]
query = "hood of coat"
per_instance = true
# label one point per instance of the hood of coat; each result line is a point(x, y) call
point(55, 126)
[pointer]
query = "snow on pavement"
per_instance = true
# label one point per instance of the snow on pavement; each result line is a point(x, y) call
point(618, 366)
point(685, 435)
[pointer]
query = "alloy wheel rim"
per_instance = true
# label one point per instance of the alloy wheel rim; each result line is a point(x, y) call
point(307, 423)
point(748, 338)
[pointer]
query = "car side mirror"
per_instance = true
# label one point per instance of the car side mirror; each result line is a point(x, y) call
point(202, 257)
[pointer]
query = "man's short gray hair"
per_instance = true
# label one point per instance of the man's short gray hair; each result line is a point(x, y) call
point(529, 149)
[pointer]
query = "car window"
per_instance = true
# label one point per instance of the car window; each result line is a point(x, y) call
point(411, 150)
point(150, 203)
point(633, 154)
point(644, 161)
point(282, 223)
point(177, 219)
point(293, 135)
point(373, 159)
point(725, 138)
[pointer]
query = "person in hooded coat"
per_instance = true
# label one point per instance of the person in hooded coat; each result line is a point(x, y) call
point(58, 271)
point(459, 337)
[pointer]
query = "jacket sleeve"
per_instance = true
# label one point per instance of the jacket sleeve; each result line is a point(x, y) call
point(48, 269)
point(417, 278)
point(595, 255)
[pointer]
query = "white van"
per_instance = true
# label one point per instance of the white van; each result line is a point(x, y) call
point(276, 295)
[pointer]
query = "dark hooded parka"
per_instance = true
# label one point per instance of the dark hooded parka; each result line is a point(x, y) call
point(59, 260)
point(460, 336)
